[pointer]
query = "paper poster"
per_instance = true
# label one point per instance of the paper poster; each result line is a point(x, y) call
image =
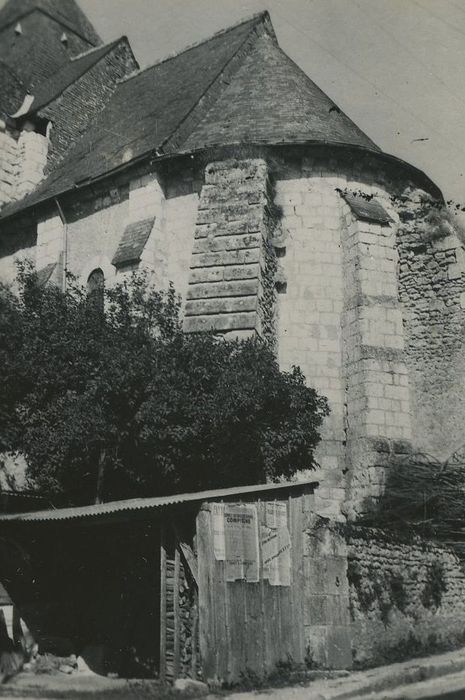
point(218, 531)
point(276, 545)
point(241, 543)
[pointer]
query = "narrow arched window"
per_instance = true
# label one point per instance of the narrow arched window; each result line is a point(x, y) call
point(96, 287)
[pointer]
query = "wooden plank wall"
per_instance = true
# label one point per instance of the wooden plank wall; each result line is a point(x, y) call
point(248, 628)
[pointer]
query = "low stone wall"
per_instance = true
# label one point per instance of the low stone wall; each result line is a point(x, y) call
point(405, 598)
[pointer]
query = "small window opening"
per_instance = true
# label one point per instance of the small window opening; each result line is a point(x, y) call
point(18, 29)
point(96, 287)
point(64, 39)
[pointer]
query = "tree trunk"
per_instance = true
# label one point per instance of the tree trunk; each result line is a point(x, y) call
point(100, 475)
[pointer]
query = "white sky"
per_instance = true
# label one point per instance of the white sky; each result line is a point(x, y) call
point(396, 67)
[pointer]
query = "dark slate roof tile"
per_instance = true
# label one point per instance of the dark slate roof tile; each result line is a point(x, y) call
point(12, 90)
point(132, 243)
point(163, 95)
point(367, 209)
point(68, 74)
point(272, 100)
point(236, 87)
point(66, 12)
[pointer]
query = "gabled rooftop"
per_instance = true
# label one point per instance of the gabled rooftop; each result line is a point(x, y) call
point(236, 87)
point(56, 84)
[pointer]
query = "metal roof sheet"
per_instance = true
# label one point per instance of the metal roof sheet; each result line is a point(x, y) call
point(141, 504)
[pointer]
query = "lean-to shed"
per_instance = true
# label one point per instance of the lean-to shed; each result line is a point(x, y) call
point(208, 585)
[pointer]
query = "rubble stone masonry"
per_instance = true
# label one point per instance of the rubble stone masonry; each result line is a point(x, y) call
point(432, 292)
point(404, 597)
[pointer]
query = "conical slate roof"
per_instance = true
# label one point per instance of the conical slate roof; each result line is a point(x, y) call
point(271, 100)
point(237, 87)
point(66, 12)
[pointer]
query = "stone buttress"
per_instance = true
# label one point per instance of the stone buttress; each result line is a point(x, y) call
point(231, 282)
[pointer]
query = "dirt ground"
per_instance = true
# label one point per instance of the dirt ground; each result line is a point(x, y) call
point(75, 687)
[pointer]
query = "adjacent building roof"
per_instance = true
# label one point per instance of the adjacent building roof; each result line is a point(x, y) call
point(147, 504)
point(51, 88)
point(237, 87)
point(12, 89)
point(66, 12)
point(132, 243)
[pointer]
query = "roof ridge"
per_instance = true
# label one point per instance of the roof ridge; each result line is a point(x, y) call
point(100, 51)
point(263, 15)
point(94, 49)
point(239, 56)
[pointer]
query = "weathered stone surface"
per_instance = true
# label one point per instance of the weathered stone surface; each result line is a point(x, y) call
point(231, 237)
point(200, 307)
point(226, 258)
point(391, 596)
point(225, 322)
point(218, 243)
point(223, 289)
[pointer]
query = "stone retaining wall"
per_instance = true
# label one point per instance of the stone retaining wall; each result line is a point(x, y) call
point(406, 599)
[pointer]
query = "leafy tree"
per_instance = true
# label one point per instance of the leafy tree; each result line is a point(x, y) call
point(113, 400)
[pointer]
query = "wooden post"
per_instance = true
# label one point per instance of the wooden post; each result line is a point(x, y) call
point(195, 635)
point(162, 603)
point(177, 644)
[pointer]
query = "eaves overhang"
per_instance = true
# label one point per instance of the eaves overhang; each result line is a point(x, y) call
point(157, 156)
point(149, 507)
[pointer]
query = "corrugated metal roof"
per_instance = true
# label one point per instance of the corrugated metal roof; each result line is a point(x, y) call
point(140, 504)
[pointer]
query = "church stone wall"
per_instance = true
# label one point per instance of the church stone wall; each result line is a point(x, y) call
point(432, 291)
point(9, 165)
point(23, 157)
point(17, 242)
point(309, 328)
point(373, 313)
point(96, 220)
